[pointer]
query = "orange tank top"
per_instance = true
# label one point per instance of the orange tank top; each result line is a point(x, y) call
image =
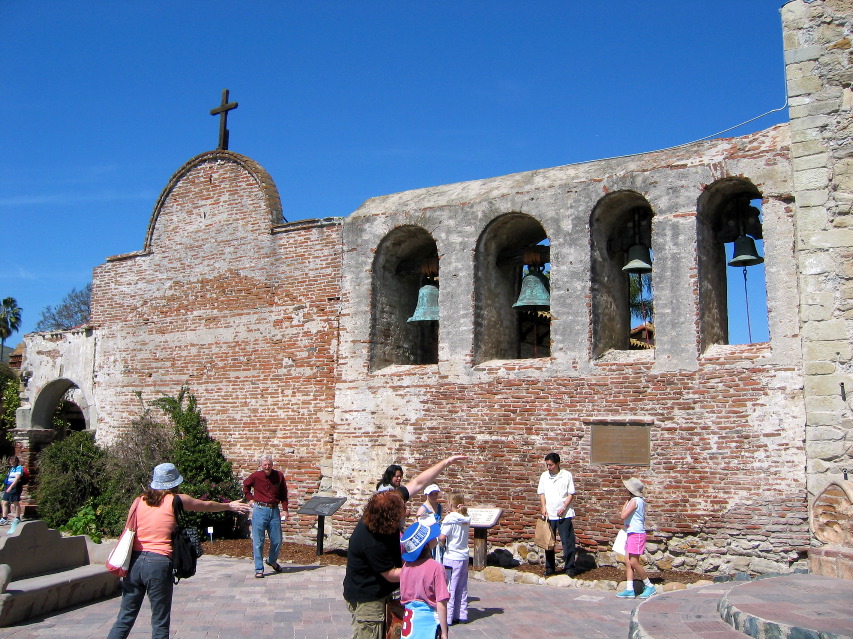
point(154, 526)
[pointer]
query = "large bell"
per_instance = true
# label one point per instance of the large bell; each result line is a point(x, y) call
point(534, 291)
point(639, 260)
point(427, 307)
point(745, 253)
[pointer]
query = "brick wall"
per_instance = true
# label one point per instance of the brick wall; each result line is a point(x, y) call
point(273, 327)
point(234, 304)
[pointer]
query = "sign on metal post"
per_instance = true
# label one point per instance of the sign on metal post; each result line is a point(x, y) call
point(321, 507)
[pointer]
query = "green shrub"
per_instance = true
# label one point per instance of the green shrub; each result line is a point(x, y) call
point(129, 461)
point(207, 474)
point(70, 473)
point(85, 522)
point(9, 404)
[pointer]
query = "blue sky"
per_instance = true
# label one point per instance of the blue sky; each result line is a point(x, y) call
point(340, 101)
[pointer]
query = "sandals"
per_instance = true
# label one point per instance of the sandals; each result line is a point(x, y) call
point(259, 574)
point(276, 567)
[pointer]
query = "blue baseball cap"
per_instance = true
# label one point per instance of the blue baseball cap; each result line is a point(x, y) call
point(418, 535)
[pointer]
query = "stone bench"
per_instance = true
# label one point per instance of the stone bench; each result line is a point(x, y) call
point(41, 571)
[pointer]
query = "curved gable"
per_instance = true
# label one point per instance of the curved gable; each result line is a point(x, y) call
point(267, 193)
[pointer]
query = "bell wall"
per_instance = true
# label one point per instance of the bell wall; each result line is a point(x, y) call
point(293, 337)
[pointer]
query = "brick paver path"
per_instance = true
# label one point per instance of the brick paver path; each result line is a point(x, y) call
point(225, 600)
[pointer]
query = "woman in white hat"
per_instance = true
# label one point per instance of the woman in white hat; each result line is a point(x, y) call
point(150, 569)
point(633, 514)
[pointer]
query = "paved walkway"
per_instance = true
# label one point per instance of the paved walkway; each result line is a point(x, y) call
point(225, 600)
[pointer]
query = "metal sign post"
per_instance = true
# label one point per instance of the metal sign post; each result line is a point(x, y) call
point(322, 507)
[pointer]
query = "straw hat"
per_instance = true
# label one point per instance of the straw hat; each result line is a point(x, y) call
point(634, 486)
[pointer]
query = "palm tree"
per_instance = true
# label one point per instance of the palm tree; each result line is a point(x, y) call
point(10, 320)
point(641, 302)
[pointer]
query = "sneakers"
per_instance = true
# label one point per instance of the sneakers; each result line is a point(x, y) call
point(626, 594)
point(4, 522)
point(648, 591)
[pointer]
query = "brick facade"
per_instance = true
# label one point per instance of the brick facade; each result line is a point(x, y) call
point(293, 337)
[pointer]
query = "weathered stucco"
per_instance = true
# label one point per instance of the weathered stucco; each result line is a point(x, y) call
point(294, 337)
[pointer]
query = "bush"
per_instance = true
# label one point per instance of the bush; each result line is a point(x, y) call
point(71, 472)
point(128, 465)
point(207, 474)
point(85, 522)
point(9, 404)
point(86, 489)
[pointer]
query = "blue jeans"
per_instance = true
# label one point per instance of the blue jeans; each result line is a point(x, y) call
point(264, 519)
point(152, 573)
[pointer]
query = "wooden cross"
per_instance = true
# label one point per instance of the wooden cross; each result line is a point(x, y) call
point(222, 111)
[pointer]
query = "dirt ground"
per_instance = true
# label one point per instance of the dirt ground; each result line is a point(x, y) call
point(307, 555)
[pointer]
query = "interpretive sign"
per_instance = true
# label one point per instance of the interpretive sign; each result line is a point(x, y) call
point(322, 507)
point(481, 520)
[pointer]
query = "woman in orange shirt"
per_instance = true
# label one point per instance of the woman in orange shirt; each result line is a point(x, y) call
point(151, 562)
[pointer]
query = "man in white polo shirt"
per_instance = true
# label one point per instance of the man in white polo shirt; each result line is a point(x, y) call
point(556, 492)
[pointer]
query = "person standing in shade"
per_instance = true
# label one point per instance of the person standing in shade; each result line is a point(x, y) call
point(266, 492)
point(556, 492)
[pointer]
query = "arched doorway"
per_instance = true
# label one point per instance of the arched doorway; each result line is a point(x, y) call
point(61, 407)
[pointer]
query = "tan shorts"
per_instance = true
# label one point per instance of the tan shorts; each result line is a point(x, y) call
point(368, 619)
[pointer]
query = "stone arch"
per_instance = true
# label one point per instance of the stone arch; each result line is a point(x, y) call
point(261, 177)
point(718, 209)
point(403, 259)
point(617, 221)
point(503, 250)
point(51, 395)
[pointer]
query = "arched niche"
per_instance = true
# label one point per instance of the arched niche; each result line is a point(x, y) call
point(619, 221)
point(405, 260)
point(504, 251)
point(725, 210)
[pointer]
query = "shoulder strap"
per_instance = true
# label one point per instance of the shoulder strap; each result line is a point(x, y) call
point(130, 524)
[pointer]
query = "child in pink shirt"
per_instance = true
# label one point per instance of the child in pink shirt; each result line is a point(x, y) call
point(423, 584)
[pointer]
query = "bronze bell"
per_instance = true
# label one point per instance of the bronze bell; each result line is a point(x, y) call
point(639, 260)
point(427, 307)
point(745, 253)
point(534, 291)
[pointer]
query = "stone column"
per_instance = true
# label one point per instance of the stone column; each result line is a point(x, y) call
point(819, 70)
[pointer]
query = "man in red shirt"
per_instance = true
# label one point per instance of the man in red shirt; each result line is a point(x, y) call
point(266, 492)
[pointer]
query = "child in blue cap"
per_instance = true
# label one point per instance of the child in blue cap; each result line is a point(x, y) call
point(423, 584)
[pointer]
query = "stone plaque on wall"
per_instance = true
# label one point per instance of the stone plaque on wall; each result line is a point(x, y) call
point(622, 443)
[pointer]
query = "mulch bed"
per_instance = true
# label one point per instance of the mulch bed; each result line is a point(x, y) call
point(304, 555)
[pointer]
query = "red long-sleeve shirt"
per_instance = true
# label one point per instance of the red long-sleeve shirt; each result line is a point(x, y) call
point(270, 490)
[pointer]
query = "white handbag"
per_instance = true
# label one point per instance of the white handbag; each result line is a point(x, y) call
point(619, 542)
point(118, 562)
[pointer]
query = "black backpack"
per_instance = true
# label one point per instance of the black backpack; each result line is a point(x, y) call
point(186, 546)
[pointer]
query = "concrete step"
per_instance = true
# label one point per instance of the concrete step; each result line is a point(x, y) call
point(786, 607)
point(790, 607)
point(683, 614)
